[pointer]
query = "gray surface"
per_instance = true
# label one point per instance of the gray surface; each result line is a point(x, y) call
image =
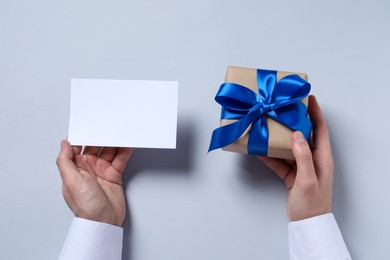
point(187, 204)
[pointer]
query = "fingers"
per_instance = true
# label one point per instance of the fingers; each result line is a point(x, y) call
point(320, 130)
point(66, 151)
point(284, 169)
point(280, 167)
point(108, 153)
point(322, 153)
point(92, 150)
point(303, 157)
point(68, 169)
point(77, 150)
point(121, 158)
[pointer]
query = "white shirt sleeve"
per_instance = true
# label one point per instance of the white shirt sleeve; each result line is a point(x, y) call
point(317, 238)
point(91, 240)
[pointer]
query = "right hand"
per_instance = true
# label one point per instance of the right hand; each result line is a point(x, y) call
point(309, 179)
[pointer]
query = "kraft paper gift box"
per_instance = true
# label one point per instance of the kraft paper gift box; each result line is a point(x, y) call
point(279, 135)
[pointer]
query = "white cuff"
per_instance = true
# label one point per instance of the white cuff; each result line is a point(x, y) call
point(317, 238)
point(91, 240)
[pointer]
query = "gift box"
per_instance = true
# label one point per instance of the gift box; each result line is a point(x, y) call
point(260, 111)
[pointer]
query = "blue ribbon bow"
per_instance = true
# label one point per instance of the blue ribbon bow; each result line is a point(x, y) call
point(277, 100)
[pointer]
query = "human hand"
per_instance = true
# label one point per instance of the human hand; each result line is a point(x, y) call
point(92, 181)
point(309, 179)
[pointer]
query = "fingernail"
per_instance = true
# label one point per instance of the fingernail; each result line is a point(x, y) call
point(298, 137)
point(62, 144)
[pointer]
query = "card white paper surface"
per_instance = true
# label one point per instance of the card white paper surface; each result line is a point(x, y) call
point(123, 113)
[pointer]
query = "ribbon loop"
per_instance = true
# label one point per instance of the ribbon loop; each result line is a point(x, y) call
point(279, 100)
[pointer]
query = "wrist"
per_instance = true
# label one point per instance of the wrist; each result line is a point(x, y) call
point(307, 215)
point(102, 217)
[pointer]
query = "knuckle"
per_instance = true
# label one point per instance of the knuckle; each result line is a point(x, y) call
point(330, 165)
point(305, 155)
point(309, 186)
point(325, 165)
point(309, 183)
point(59, 160)
point(303, 151)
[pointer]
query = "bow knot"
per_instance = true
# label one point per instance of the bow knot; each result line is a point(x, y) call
point(266, 108)
point(277, 100)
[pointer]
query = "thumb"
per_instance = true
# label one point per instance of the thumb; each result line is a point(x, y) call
point(65, 161)
point(303, 157)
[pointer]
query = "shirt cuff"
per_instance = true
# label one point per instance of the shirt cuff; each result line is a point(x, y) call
point(91, 240)
point(317, 238)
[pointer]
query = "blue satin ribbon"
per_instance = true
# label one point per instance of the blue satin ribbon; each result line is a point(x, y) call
point(279, 100)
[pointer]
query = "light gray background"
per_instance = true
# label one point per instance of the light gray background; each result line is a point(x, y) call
point(187, 204)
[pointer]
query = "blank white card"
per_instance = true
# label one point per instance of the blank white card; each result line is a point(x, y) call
point(123, 113)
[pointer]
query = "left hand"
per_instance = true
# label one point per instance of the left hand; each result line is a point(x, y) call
point(92, 181)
